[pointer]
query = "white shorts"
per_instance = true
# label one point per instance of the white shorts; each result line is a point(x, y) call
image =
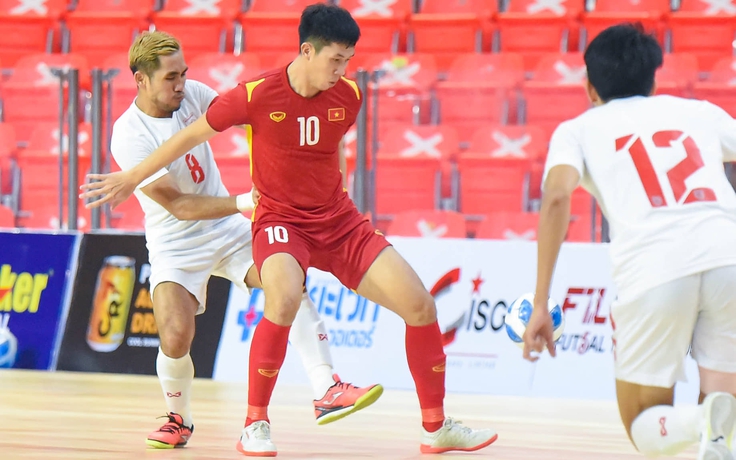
point(228, 255)
point(652, 334)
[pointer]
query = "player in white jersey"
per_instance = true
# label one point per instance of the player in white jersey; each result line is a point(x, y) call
point(194, 229)
point(655, 166)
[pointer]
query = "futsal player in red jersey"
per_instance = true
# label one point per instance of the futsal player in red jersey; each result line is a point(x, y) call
point(298, 115)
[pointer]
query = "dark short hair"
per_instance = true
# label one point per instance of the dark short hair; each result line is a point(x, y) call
point(322, 24)
point(621, 62)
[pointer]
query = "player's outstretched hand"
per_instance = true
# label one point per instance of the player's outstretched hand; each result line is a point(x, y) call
point(113, 188)
point(539, 333)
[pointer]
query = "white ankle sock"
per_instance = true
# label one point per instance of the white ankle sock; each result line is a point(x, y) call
point(176, 377)
point(309, 336)
point(667, 430)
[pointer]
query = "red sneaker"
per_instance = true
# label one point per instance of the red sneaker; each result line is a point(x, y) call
point(173, 434)
point(342, 399)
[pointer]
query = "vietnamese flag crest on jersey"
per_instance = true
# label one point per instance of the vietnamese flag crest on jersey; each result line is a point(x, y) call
point(336, 114)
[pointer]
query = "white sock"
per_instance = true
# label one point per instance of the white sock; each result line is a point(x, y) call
point(309, 336)
point(176, 377)
point(667, 430)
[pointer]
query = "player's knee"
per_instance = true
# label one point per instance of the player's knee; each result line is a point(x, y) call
point(176, 339)
point(175, 346)
point(421, 311)
point(282, 307)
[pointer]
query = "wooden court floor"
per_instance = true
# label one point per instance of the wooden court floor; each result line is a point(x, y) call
point(61, 415)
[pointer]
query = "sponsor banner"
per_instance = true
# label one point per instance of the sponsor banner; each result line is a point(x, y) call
point(473, 282)
point(111, 327)
point(34, 274)
point(358, 331)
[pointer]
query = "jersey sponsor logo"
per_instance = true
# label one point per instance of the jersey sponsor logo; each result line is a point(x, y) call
point(336, 114)
point(277, 116)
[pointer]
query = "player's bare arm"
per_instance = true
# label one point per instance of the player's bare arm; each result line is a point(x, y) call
point(114, 188)
point(554, 217)
point(188, 206)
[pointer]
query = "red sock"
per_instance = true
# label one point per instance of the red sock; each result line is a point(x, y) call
point(426, 359)
point(267, 352)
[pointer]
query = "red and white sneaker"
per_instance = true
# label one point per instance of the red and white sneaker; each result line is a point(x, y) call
point(342, 399)
point(454, 436)
point(173, 434)
point(256, 440)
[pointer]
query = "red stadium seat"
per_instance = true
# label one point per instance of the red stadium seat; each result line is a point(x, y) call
point(201, 27)
point(98, 28)
point(223, 72)
point(40, 180)
point(8, 141)
point(124, 89)
point(232, 143)
point(611, 12)
point(557, 92)
point(381, 23)
point(428, 224)
point(720, 88)
point(405, 184)
point(407, 141)
point(270, 28)
point(508, 226)
point(39, 213)
point(28, 27)
point(478, 89)
point(235, 174)
point(510, 141)
point(7, 218)
point(678, 74)
point(445, 28)
point(128, 216)
point(535, 28)
point(279, 6)
point(31, 94)
point(489, 184)
point(706, 28)
point(438, 142)
point(8, 149)
point(404, 87)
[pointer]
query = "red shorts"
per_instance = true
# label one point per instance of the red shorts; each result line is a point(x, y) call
point(343, 242)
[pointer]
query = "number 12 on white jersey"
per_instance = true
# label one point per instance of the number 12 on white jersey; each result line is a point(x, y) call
point(677, 175)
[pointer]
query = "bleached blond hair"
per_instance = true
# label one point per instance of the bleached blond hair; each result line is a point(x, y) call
point(147, 48)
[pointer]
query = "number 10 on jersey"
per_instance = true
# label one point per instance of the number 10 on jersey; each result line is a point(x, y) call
point(308, 131)
point(277, 234)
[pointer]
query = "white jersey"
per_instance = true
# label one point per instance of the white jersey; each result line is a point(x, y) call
point(655, 165)
point(136, 135)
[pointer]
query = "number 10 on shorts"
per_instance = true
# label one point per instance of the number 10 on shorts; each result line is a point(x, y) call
point(277, 234)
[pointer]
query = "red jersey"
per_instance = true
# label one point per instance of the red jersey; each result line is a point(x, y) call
point(294, 140)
